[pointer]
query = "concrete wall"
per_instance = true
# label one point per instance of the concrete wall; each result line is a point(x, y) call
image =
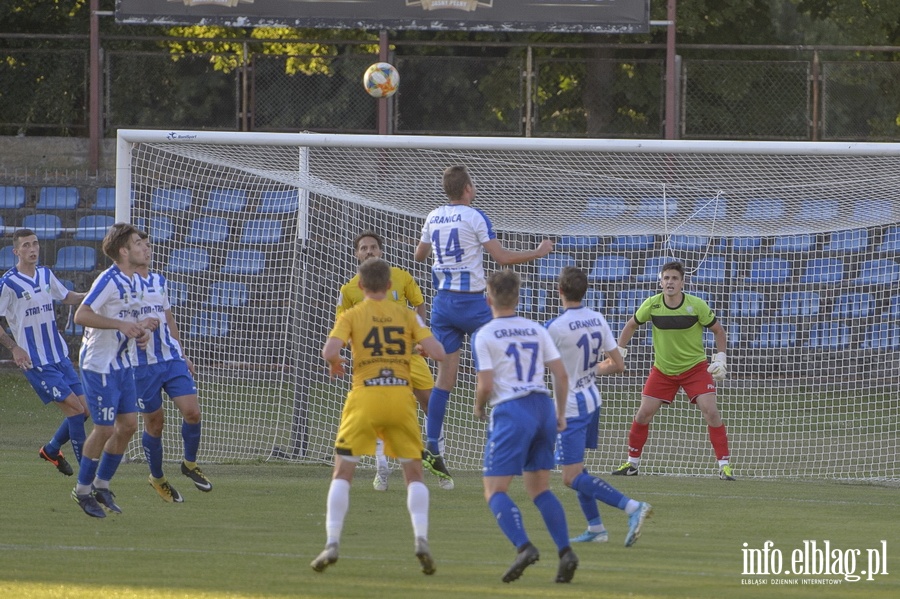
point(29, 156)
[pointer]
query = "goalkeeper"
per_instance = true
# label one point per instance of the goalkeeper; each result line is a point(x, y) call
point(679, 362)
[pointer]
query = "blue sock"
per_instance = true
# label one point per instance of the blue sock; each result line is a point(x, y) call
point(76, 434)
point(600, 490)
point(554, 518)
point(588, 507)
point(437, 409)
point(508, 516)
point(87, 468)
point(191, 435)
point(60, 438)
point(153, 451)
point(109, 463)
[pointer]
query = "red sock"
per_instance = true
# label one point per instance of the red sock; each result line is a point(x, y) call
point(719, 439)
point(636, 439)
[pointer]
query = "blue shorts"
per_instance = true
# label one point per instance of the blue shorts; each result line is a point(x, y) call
point(109, 395)
point(151, 380)
point(55, 382)
point(581, 433)
point(521, 436)
point(455, 315)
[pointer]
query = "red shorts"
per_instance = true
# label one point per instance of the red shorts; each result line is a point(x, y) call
point(695, 382)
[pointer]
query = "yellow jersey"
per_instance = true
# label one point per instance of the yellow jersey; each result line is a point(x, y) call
point(403, 289)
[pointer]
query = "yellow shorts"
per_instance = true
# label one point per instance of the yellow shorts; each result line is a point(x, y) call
point(387, 413)
point(420, 373)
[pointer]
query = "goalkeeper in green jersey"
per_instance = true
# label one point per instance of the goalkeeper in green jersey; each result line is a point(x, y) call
point(679, 362)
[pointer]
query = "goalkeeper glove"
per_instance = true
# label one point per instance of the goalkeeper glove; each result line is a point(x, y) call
point(717, 367)
point(623, 351)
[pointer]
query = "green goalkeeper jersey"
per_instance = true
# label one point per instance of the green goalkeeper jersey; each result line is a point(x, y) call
point(677, 332)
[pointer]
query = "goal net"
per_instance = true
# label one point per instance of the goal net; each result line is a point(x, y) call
point(794, 245)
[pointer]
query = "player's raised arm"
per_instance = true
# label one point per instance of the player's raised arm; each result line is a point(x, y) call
point(506, 257)
point(423, 250)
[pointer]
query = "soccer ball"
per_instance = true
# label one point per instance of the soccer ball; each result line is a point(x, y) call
point(381, 80)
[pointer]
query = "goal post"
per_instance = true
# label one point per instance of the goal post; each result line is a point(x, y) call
point(796, 246)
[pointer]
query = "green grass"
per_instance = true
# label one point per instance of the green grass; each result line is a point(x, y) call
point(255, 534)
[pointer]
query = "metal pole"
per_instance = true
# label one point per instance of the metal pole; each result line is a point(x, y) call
point(671, 72)
point(383, 102)
point(95, 126)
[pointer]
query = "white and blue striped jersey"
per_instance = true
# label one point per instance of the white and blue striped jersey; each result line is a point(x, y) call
point(516, 349)
point(27, 304)
point(118, 296)
point(581, 334)
point(456, 233)
point(155, 298)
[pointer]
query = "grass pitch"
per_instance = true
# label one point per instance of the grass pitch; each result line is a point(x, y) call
point(256, 532)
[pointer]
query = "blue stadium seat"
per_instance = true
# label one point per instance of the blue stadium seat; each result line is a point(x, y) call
point(609, 269)
point(741, 245)
point(713, 270)
point(800, 303)
point(76, 258)
point(818, 211)
point(769, 271)
point(227, 294)
point(105, 200)
point(160, 229)
point(823, 270)
point(874, 211)
point(793, 244)
point(209, 324)
point(188, 260)
point(7, 258)
point(775, 335)
point(848, 242)
point(12, 196)
point(882, 335)
point(170, 199)
point(764, 209)
point(687, 243)
point(546, 303)
point(244, 262)
point(594, 300)
point(208, 229)
point(706, 296)
point(279, 202)
point(549, 266)
point(657, 207)
point(883, 271)
point(628, 300)
point(893, 310)
point(854, 305)
point(58, 198)
point(576, 243)
point(829, 335)
point(746, 304)
point(45, 226)
point(711, 209)
point(262, 231)
point(93, 227)
point(226, 200)
point(652, 267)
point(632, 243)
point(890, 242)
point(526, 300)
point(608, 207)
point(178, 293)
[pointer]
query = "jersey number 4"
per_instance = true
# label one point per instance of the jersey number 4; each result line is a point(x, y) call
point(385, 340)
point(452, 248)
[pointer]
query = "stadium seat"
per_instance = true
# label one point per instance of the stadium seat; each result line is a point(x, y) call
point(882, 335)
point(829, 335)
point(608, 207)
point(712, 271)
point(793, 244)
point(742, 245)
point(764, 209)
point(178, 293)
point(262, 231)
point(823, 270)
point(244, 262)
point(105, 200)
point(576, 243)
point(632, 243)
point(545, 305)
point(188, 260)
point(526, 300)
point(882, 271)
point(775, 335)
point(7, 258)
point(226, 200)
point(279, 202)
point(208, 229)
point(769, 271)
point(657, 208)
point(706, 296)
point(45, 226)
point(710, 209)
point(848, 242)
point(800, 303)
point(874, 211)
point(687, 243)
point(93, 227)
point(76, 258)
point(746, 304)
point(170, 199)
point(12, 196)
point(609, 269)
point(209, 324)
point(628, 301)
point(893, 310)
point(651, 269)
point(160, 229)
point(818, 211)
point(594, 300)
point(549, 266)
point(58, 198)
point(890, 241)
point(227, 294)
point(854, 305)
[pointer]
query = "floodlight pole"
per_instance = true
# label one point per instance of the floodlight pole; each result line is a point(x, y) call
point(383, 102)
point(671, 75)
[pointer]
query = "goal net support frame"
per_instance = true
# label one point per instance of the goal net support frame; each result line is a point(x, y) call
point(796, 246)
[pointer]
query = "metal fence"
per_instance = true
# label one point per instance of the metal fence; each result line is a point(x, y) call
point(771, 93)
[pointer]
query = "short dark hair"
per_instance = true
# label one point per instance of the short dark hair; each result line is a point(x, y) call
point(672, 266)
point(455, 180)
point(119, 236)
point(375, 275)
point(365, 234)
point(503, 287)
point(20, 233)
point(573, 283)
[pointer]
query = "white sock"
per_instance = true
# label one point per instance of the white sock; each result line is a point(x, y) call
point(380, 459)
point(337, 505)
point(632, 506)
point(417, 504)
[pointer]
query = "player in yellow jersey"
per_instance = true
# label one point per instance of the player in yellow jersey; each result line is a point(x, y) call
point(380, 405)
point(405, 291)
